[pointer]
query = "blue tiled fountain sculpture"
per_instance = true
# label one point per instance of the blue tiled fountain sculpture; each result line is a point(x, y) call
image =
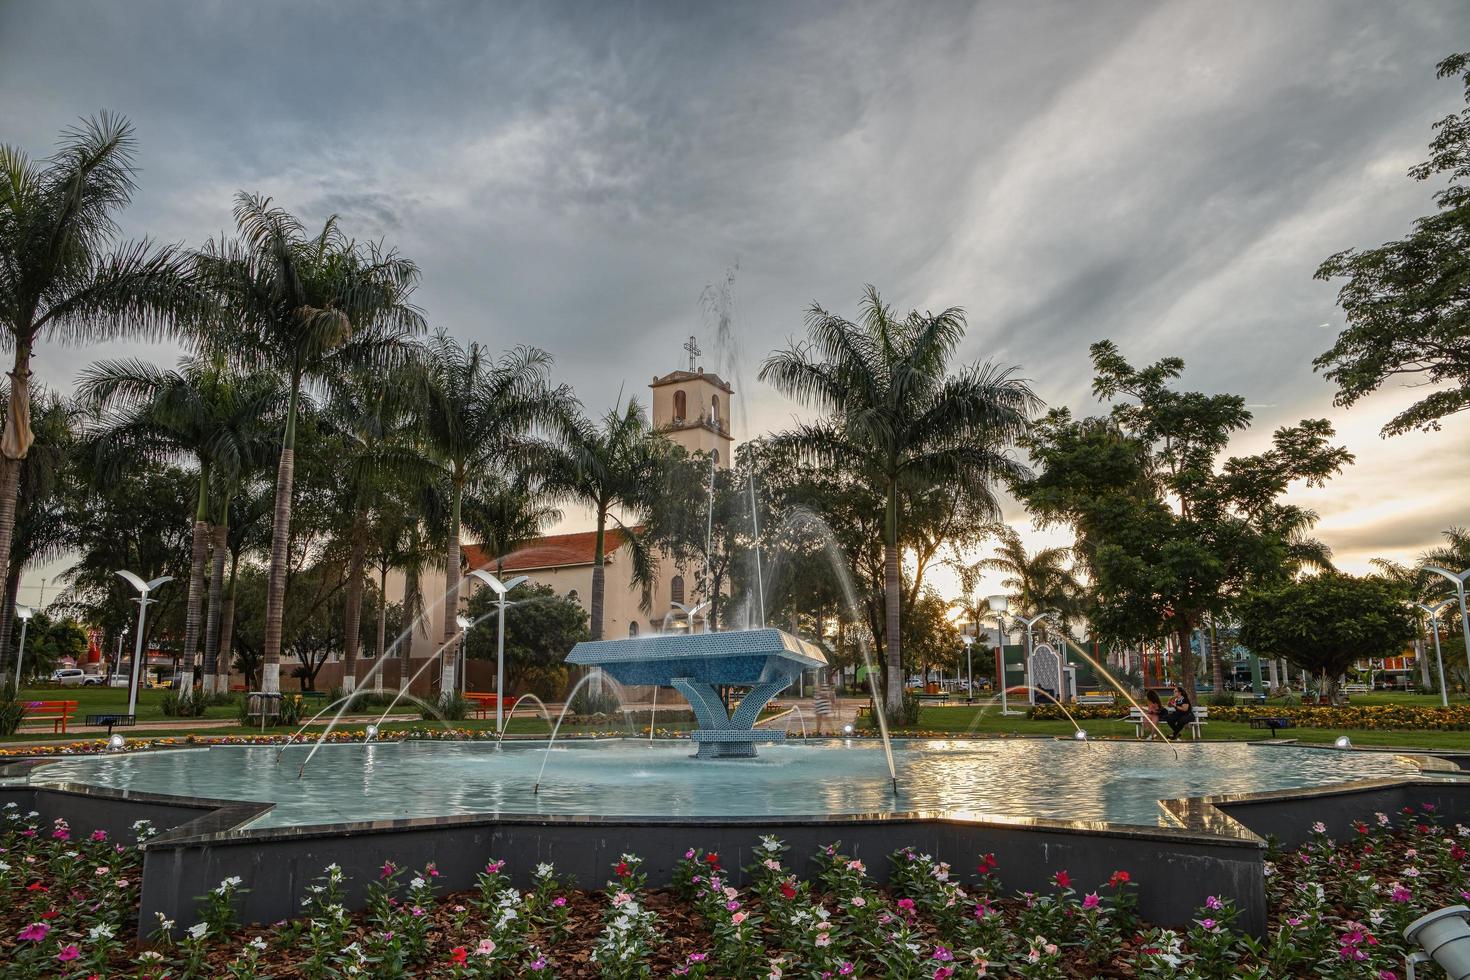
point(697, 665)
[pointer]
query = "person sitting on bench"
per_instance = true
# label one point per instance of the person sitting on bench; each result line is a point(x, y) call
point(1181, 712)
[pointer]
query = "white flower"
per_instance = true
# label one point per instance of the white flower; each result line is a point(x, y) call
point(1270, 868)
point(4, 867)
point(103, 931)
point(150, 956)
point(1319, 827)
point(199, 931)
point(417, 883)
point(257, 944)
point(544, 870)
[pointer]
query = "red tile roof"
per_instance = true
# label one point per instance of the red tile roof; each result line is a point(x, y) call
point(550, 551)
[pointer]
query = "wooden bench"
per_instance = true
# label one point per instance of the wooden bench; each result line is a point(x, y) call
point(484, 703)
point(1140, 724)
point(1094, 699)
point(56, 712)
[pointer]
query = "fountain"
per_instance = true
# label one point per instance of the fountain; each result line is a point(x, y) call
point(697, 665)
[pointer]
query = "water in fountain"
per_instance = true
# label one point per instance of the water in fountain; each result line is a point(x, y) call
point(653, 716)
point(806, 518)
point(545, 714)
point(571, 696)
point(1121, 689)
point(717, 300)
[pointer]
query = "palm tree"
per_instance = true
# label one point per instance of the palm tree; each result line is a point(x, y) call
point(895, 413)
point(43, 531)
point(65, 274)
point(310, 309)
point(483, 420)
point(381, 464)
point(609, 467)
point(202, 410)
point(1039, 582)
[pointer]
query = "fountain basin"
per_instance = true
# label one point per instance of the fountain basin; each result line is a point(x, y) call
point(698, 665)
point(1112, 782)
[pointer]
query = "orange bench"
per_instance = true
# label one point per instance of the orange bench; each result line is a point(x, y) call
point(56, 712)
point(485, 703)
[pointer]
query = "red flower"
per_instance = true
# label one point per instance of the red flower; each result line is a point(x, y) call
point(36, 886)
point(1118, 878)
point(50, 914)
point(713, 860)
point(787, 891)
point(621, 870)
point(458, 955)
point(987, 863)
point(1064, 880)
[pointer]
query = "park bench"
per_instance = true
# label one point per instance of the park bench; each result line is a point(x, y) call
point(1094, 699)
point(940, 698)
point(1140, 724)
point(1355, 688)
point(112, 721)
point(1272, 723)
point(56, 712)
point(313, 696)
point(484, 703)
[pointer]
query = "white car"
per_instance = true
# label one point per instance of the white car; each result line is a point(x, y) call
point(69, 677)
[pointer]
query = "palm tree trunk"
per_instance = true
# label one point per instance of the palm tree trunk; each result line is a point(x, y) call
point(352, 627)
point(1217, 668)
point(598, 575)
point(227, 626)
point(452, 576)
point(893, 598)
point(216, 668)
point(195, 602)
point(275, 591)
point(20, 376)
point(7, 616)
point(381, 648)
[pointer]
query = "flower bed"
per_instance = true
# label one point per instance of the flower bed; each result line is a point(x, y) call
point(1381, 717)
point(1337, 910)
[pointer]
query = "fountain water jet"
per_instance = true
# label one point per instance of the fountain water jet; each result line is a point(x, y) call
point(500, 735)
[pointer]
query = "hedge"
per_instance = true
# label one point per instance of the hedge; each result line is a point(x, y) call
point(1384, 717)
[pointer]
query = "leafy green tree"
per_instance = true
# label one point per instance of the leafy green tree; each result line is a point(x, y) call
point(893, 412)
point(65, 275)
point(540, 630)
point(612, 467)
point(48, 640)
point(1324, 623)
point(1168, 531)
point(1408, 302)
point(309, 308)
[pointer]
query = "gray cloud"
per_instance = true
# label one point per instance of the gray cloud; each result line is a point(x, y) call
point(572, 174)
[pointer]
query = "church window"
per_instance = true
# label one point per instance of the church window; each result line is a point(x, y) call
point(633, 628)
point(676, 588)
point(681, 408)
point(714, 409)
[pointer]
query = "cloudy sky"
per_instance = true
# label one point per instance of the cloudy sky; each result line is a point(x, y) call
point(1168, 175)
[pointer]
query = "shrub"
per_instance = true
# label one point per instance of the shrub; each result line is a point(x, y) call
point(1222, 699)
point(12, 710)
point(176, 704)
point(589, 702)
point(449, 707)
point(291, 707)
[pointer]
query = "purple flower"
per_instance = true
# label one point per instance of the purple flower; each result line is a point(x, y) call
point(35, 932)
point(942, 954)
point(1213, 903)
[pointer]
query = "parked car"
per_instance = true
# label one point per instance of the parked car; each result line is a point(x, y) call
point(69, 677)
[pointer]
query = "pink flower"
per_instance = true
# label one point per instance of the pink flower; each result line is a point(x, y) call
point(560, 901)
point(1399, 894)
point(944, 973)
point(1213, 903)
point(387, 869)
point(35, 932)
point(907, 904)
point(98, 836)
point(737, 918)
point(1207, 924)
point(68, 953)
point(1063, 880)
point(732, 906)
point(942, 954)
point(1091, 901)
point(494, 867)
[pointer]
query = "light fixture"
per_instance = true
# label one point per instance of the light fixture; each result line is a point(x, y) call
point(143, 589)
point(1080, 735)
point(1445, 938)
point(370, 733)
point(1343, 742)
point(24, 614)
point(847, 729)
point(116, 743)
point(998, 603)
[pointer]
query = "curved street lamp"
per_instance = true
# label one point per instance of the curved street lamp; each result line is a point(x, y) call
point(143, 589)
point(999, 604)
point(24, 614)
point(1433, 613)
point(1459, 579)
point(500, 589)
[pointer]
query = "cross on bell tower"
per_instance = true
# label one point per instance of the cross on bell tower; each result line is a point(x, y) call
point(693, 348)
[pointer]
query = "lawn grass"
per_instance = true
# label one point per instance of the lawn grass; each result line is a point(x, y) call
point(114, 700)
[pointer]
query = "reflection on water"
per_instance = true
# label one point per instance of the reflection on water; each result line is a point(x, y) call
point(1119, 782)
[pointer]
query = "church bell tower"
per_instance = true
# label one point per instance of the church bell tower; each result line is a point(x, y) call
point(693, 407)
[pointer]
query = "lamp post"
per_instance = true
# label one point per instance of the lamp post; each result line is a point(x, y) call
point(969, 669)
point(464, 623)
point(691, 611)
point(999, 604)
point(501, 588)
point(1459, 579)
point(1433, 613)
point(24, 614)
point(143, 589)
